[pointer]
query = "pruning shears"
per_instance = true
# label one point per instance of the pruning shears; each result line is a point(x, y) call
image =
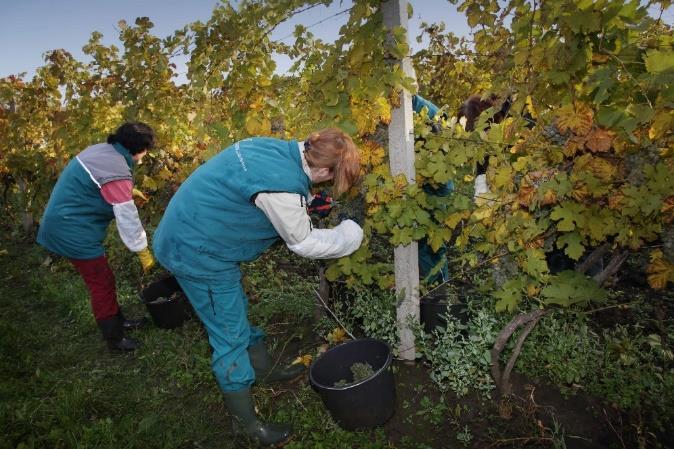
point(321, 204)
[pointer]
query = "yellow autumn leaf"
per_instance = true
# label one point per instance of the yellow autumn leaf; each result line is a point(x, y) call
point(383, 109)
point(483, 212)
point(373, 209)
point(526, 195)
point(580, 192)
point(303, 359)
point(140, 195)
point(573, 146)
point(149, 183)
point(668, 209)
point(533, 289)
point(549, 197)
point(662, 124)
point(400, 181)
point(164, 174)
point(337, 335)
point(575, 117)
point(602, 168)
point(377, 156)
point(364, 120)
point(615, 200)
point(454, 219)
point(600, 58)
point(530, 107)
point(655, 255)
point(257, 125)
point(536, 243)
point(660, 272)
point(371, 153)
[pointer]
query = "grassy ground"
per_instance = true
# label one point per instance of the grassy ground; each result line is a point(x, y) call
point(61, 388)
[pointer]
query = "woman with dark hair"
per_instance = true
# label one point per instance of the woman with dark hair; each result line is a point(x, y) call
point(230, 210)
point(469, 112)
point(94, 188)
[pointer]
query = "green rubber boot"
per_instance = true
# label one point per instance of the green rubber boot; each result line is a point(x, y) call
point(245, 422)
point(265, 369)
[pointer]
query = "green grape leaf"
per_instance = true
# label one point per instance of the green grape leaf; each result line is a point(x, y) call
point(567, 215)
point(573, 243)
point(570, 287)
point(659, 61)
point(510, 295)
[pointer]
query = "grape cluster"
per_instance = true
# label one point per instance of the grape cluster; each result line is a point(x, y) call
point(552, 133)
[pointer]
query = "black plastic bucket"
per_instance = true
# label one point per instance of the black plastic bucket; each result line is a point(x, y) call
point(433, 313)
point(365, 404)
point(166, 303)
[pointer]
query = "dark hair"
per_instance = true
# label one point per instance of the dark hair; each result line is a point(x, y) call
point(135, 137)
point(476, 105)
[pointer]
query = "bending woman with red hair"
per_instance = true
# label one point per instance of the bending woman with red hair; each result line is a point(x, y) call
point(230, 210)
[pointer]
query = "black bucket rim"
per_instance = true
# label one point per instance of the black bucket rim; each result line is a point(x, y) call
point(387, 363)
point(432, 300)
point(162, 300)
point(161, 279)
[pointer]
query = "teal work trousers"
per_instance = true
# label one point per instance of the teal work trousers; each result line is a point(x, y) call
point(433, 265)
point(223, 308)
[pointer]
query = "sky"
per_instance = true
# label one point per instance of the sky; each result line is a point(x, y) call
point(29, 28)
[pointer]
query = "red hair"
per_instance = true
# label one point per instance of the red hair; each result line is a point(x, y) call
point(334, 149)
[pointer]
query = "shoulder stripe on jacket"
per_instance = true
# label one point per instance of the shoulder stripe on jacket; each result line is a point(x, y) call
point(88, 172)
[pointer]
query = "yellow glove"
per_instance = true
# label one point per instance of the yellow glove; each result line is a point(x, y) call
point(146, 259)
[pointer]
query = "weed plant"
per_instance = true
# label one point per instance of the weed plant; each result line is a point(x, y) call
point(373, 311)
point(562, 348)
point(458, 355)
point(623, 365)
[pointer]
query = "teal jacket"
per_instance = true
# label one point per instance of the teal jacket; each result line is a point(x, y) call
point(211, 223)
point(418, 103)
point(76, 219)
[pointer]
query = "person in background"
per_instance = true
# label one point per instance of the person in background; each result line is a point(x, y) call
point(95, 187)
point(230, 210)
point(469, 112)
point(433, 265)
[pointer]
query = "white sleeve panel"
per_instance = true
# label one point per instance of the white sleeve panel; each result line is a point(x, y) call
point(129, 226)
point(287, 213)
point(339, 241)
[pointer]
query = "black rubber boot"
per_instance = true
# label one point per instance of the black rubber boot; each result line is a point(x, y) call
point(130, 324)
point(266, 371)
point(245, 422)
point(113, 334)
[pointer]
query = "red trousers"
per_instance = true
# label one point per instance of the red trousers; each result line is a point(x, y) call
point(100, 281)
